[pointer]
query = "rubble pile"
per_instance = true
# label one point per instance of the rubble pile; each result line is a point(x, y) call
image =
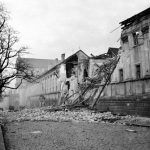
point(44, 114)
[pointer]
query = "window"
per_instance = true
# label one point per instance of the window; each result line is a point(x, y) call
point(85, 74)
point(135, 38)
point(124, 39)
point(145, 30)
point(121, 74)
point(138, 71)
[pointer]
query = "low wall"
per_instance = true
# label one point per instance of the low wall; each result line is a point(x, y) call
point(125, 105)
point(128, 97)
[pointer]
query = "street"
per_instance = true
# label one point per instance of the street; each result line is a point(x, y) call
point(84, 130)
point(47, 135)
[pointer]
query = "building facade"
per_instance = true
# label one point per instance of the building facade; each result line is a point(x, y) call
point(18, 96)
point(129, 91)
point(53, 85)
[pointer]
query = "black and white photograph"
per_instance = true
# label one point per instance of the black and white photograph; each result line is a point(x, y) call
point(74, 75)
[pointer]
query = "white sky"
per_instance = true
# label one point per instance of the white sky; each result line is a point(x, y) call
point(52, 27)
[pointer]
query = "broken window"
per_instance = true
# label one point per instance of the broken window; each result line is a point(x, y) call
point(138, 71)
point(121, 74)
point(135, 38)
point(68, 84)
point(85, 74)
point(124, 39)
point(71, 65)
point(145, 32)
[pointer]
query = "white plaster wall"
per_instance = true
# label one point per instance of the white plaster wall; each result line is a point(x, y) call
point(130, 52)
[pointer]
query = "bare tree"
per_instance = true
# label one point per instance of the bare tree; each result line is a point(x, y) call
point(11, 67)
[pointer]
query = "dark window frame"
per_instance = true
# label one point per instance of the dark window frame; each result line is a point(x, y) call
point(138, 71)
point(121, 75)
point(135, 38)
point(145, 30)
point(124, 39)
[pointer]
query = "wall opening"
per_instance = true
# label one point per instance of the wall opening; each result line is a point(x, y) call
point(135, 38)
point(71, 64)
point(138, 71)
point(121, 74)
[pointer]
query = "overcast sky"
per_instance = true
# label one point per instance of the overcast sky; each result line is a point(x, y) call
point(52, 27)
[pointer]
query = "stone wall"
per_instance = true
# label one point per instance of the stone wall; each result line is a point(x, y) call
point(129, 97)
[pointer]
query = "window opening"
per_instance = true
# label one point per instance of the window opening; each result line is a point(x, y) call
point(138, 71)
point(121, 74)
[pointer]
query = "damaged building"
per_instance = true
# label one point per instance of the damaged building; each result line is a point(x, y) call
point(129, 91)
point(58, 82)
point(125, 89)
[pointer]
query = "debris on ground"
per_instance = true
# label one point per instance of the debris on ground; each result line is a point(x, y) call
point(77, 115)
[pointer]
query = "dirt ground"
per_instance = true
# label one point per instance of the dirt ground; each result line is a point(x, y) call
point(54, 135)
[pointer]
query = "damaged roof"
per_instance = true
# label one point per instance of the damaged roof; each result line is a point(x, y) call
point(112, 51)
point(132, 19)
point(74, 55)
point(63, 62)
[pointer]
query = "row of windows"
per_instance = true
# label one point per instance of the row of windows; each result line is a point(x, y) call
point(137, 69)
point(136, 35)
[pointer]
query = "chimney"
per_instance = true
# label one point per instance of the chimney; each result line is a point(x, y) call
point(63, 57)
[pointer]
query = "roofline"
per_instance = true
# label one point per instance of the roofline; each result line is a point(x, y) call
point(141, 14)
point(36, 58)
point(94, 57)
point(61, 63)
point(73, 55)
point(113, 47)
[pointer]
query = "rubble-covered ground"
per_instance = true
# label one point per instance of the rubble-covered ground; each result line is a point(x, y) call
point(80, 129)
point(49, 114)
point(75, 115)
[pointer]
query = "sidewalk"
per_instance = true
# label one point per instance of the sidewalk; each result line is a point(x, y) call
point(2, 146)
